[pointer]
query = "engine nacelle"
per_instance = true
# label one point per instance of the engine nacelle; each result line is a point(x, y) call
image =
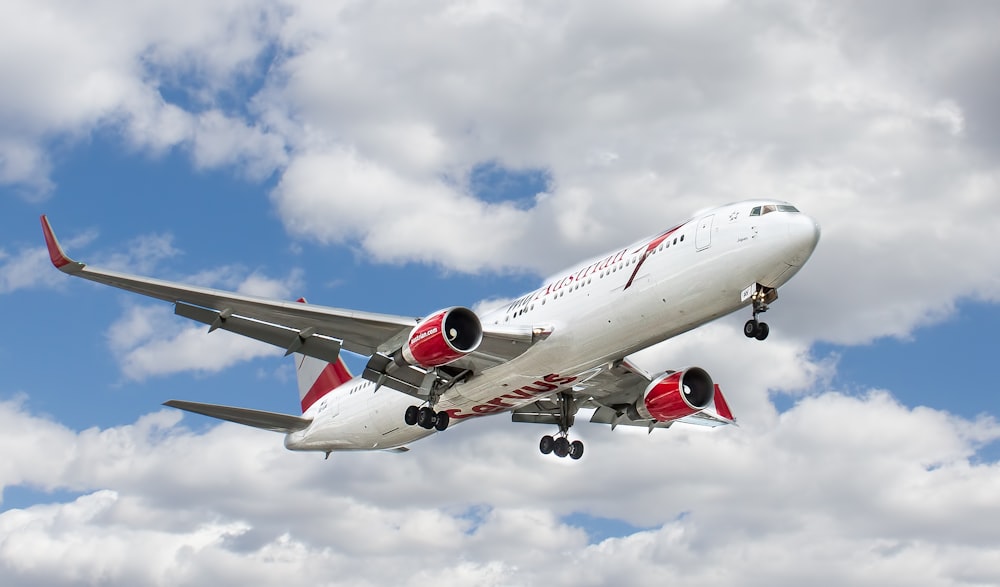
point(672, 396)
point(443, 337)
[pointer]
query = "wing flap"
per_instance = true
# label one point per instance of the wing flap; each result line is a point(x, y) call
point(272, 421)
point(294, 341)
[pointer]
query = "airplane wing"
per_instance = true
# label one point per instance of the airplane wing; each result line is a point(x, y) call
point(610, 393)
point(258, 419)
point(317, 331)
point(308, 329)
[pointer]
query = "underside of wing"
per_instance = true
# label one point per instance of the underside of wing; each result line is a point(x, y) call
point(272, 421)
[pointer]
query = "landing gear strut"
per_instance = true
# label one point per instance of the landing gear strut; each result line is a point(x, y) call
point(561, 445)
point(754, 328)
point(426, 417)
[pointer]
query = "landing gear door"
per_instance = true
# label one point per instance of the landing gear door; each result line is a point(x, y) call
point(703, 236)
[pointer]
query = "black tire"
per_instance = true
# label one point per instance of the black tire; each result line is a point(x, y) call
point(762, 331)
point(426, 418)
point(561, 447)
point(545, 444)
point(442, 421)
point(576, 450)
point(750, 328)
point(410, 416)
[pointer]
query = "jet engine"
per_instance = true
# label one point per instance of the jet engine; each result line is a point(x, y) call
point(442, 337)
point(674, 395)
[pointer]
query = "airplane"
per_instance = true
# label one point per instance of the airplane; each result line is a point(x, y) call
point(561, 348)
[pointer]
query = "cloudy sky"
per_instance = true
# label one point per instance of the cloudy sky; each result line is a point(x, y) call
point(401, 157)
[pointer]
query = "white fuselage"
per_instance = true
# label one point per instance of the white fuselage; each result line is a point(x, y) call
point(599, 312)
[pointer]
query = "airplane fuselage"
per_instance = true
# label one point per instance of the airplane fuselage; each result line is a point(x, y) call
point(597, 312)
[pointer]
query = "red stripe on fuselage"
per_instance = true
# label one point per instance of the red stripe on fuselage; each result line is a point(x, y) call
point(333, 376)
point(649, 251)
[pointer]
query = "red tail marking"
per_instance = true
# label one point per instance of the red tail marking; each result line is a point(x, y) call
point(333, 376)
point(720, 404)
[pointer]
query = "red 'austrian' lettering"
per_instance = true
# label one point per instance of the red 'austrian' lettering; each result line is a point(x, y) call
point(539, 387)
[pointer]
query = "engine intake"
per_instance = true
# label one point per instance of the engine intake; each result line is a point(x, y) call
point(443, 337)
point(672, 396)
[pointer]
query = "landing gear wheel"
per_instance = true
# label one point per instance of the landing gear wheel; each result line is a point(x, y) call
point(575, 450)
point(561, 447)
point(426, 418)
point(410, 416)
point(755, 329)
point(546, 444)
point(441, 422)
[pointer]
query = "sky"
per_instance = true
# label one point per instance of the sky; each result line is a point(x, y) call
point(402, 157)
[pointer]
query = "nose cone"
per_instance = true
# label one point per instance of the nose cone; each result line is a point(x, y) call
point(803, 235)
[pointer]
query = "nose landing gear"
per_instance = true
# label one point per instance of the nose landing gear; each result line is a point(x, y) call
point(761, 297)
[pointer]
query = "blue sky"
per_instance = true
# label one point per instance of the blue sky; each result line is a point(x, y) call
point(352, 156)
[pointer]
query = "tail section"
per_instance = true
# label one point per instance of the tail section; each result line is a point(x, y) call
point(317, 377)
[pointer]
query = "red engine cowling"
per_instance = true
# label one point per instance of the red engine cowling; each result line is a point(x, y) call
point(443, 337)
point(672, 396)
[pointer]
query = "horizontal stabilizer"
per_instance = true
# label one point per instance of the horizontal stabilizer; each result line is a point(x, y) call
point(256, 418)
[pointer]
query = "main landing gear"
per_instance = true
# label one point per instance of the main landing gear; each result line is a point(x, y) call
point(426, 417)
point(561, 445)
point(754, 328)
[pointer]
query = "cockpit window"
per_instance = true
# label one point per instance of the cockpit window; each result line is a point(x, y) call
point(762, 210)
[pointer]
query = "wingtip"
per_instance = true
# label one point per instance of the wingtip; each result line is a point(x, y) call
point(56, 253)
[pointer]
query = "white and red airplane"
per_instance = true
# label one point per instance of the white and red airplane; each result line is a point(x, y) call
point(555, 350)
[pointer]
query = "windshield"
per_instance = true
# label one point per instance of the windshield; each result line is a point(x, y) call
point(762, 210)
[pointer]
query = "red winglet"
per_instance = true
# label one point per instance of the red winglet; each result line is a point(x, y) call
point(721, 406)
point(56, 254)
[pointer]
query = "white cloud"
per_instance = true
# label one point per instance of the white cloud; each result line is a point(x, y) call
point(861, 489)
point(877, 120)
point(71, 69)
point(373, 116)
point(30, 267)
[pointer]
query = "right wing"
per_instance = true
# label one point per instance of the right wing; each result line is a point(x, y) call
point(312, 330)
point(304, 328)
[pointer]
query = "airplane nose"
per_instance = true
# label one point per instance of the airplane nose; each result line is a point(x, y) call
point(803, 235)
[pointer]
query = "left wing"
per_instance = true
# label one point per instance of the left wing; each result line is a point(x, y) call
point(317, 331)
point(610, 393)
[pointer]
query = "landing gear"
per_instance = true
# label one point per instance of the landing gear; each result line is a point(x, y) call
point(755, 329)
point(560, 445)
point(426, 417)
point(763, 296)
